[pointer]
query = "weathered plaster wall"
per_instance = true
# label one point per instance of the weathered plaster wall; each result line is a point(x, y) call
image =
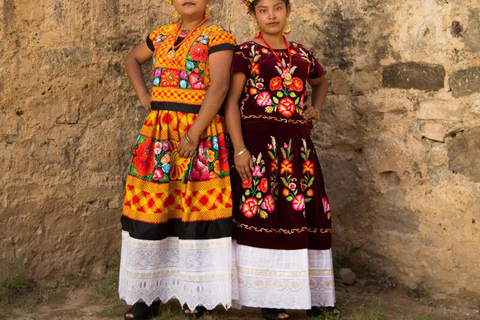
point(399, 135)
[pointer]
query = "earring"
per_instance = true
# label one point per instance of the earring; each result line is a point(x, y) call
point(257, 30)
point(288, 28)
point(175, 15)
point(207, 11)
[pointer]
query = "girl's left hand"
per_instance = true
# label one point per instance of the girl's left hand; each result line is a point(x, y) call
point(185, 149)
point(311, 113)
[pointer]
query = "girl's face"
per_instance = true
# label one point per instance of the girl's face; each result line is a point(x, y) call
point(190, 8)
point(271, 16)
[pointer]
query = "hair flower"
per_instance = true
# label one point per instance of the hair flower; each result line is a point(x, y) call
point(170, 1)
point(248, 4)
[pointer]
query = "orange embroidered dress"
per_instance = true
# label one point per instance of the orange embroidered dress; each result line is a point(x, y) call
point(176, 238)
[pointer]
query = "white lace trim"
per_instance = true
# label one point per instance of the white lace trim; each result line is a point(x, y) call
point(290, 279)
point(196, 272)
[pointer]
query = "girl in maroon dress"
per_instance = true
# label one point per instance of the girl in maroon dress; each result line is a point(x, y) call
point(282, 226)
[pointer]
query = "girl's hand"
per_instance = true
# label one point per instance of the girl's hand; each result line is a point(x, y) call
point(187, 147)
point(244, 165)
point(147, 102)
point(311, 113)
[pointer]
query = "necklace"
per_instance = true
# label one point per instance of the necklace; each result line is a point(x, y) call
point(288, 75)
point(173, 50)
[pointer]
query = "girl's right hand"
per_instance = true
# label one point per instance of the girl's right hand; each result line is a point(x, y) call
point(244, 165)
point(147, 103)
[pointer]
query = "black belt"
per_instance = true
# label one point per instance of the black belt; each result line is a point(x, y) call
point(180, 107)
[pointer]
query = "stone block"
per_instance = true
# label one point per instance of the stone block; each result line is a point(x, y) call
point(465, 82)
point(464, 154)
point(433, 109)
point(413, 75)
point(472, 33)
point(339, 82)
point(366, 81)
point(434, 131)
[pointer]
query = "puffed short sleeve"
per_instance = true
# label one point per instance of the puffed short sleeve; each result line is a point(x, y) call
point(316, 69)
point(221, 40)
point(151, 39)
point(241, 61)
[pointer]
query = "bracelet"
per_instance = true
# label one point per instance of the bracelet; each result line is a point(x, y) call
point(144, 97)
point(240, 153)
point(188, 140)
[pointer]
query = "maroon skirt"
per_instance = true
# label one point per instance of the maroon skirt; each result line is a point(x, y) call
point(285, 204)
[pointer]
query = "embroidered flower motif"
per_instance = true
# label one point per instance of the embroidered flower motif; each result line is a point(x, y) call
point(285, 192)
point(158, 174)
point(308, 167)
point(292, 186)
point(158, 147)
point(247, 184)
point(165, 159)
point(178, 165)
point(286, 107)
point(269, 109)
point(199, 52)
point(170, 78)
point(216, 167)
point(165, 145)
point(157, 73)
point(253, 91)
point(268, 203)
point(310, 192)
point(297, 85)
point(286, 166)
point(144, 160)
point(250, 207)
point(298, 203)
point(215, 143)
point(274, 165)
point(263, 186)
point(264, 99)
point(257, 172)
point(210, 156)
point(200, 170)
point(196, 81)
point(276, 84)
point(255, 69)
point(326, 205)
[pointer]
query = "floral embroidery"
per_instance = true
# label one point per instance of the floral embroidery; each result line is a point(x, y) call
point(253, 200)
point(170, 78)
point(308, 171)
point(159, 161)
point(272, 153)
point(143, 161)
point(199, 52)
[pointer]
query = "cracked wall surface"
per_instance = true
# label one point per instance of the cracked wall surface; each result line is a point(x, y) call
point(398, 138)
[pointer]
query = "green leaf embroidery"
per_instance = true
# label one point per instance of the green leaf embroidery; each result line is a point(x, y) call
point(275, 100)
point(289, 198)
point(310, 183)
point(279, 94)
point(247, 192)
point(284, 181)
point(259, 196)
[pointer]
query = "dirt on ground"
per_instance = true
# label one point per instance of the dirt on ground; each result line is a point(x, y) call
point(365, 300)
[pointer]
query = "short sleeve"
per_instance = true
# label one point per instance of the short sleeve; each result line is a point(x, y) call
point(222, 40)
point(241, 62)
point(151, 38)
point(316, 69)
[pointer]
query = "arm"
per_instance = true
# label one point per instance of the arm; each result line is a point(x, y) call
point(220, 63)
point(243, 162)
point(133, 63)
point(319, 95)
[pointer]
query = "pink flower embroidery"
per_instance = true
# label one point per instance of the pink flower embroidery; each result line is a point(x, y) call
point(158, 174)
point(268, 203)
point(326, 205)
point(196, 81)
point(264, 99)
point(257, 172)
point(298, 203)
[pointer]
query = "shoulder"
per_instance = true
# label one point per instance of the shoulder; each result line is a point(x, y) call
point(218, 35)
point(246, 47)
point(162, 31)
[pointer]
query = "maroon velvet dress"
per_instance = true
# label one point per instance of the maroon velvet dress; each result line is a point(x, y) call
point(282, 223)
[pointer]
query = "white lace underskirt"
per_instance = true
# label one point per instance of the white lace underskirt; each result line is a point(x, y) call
point(290, 279)
point(195, 272)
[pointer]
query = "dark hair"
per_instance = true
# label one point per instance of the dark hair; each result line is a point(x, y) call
point(255, 2)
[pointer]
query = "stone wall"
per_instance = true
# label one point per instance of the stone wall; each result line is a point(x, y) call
point(399, 135)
